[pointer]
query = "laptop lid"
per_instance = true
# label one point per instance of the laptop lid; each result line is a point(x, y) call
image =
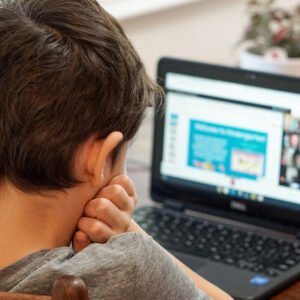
point(228, 140)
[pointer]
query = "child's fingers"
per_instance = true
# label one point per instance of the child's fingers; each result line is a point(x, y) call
point(80, 241)
point(96, 230)
point(117, 194)
point(105, 211)
point(126, 183)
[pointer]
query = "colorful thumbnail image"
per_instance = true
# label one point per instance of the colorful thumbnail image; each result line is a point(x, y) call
point(290, 159)
point(233, 151)
point(248, 163)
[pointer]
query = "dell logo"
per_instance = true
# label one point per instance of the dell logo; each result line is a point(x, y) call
point(238, 206)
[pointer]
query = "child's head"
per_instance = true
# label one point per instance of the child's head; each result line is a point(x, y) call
point(67, 73)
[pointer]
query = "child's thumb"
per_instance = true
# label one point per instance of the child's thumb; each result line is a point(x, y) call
point(80, 241)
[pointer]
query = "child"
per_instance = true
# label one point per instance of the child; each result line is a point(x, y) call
point(73, 92)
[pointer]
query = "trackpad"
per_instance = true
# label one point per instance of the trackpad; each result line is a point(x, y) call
point(191, 261)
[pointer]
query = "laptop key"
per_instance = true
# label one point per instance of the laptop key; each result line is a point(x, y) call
point(271, 273)
point(176, 240)
point(213, 249)
point(258, 268)
point(229, 260)
point(200, 246)
point(216, 257)
point(188, 243)
point(290, 262)
point(283, 267)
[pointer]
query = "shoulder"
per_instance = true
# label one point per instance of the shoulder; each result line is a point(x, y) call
point(109, 270)
point(129, 266)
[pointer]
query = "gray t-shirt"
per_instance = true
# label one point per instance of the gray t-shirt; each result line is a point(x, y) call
point(130, 266)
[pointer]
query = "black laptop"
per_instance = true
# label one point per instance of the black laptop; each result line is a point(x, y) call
point(226, 176)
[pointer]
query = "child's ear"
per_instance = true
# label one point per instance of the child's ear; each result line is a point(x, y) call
point(119, 162)
point(99, 158)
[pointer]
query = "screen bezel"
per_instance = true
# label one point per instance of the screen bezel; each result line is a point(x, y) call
point(204, 200)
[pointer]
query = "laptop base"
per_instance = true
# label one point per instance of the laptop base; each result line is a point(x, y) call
point(235, 270)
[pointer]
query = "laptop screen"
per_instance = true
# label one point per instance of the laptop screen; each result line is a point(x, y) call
point(232, 139)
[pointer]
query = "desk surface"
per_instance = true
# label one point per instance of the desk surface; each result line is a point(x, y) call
point(141, 176)
point(291, 293)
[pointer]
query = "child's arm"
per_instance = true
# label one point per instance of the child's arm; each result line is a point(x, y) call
point(110, 214)
point(213, 291)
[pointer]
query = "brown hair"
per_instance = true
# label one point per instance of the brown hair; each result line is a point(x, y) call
point(67, 71)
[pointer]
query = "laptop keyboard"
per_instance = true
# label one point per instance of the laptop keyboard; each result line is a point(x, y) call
point(219, 242)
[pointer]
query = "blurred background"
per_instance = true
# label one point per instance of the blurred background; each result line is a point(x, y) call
point(201, 30)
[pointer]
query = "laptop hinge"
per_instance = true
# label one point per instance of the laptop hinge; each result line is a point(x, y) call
point(174, 205)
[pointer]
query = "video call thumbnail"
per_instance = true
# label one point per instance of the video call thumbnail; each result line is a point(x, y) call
point(290, 159)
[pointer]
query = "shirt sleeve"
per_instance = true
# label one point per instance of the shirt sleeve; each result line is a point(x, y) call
point(159, 277)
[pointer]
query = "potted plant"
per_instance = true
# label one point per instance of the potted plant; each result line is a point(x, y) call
point(271, 42)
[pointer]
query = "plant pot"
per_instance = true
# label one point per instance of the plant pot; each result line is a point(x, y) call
point(288, 66)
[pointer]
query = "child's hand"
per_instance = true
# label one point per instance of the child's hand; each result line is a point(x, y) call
point(107, 215)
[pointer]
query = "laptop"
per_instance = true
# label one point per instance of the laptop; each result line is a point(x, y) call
point(226, 176)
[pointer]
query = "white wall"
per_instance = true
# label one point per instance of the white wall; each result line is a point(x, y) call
point(205, 31)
